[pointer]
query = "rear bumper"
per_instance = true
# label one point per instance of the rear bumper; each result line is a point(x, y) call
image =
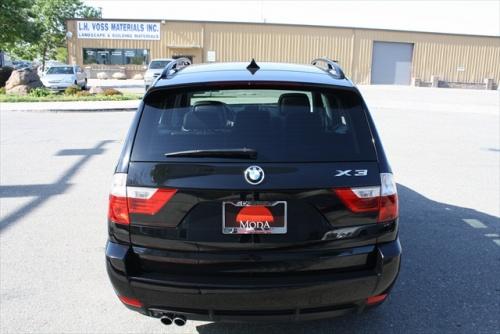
point(57, 86)
point(268, 299)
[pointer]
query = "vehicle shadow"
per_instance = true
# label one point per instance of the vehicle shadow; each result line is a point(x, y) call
point(448, 281)
point(40, 193)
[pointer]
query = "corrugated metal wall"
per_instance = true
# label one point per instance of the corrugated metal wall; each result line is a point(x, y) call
point(454, 58)
point(182, 34)
point(435, 54)
point(278, 43)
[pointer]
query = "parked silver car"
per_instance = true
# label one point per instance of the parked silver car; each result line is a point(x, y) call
point(61, 77)
point(155, 68)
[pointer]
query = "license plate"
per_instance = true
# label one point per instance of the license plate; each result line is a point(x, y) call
point(244, 217)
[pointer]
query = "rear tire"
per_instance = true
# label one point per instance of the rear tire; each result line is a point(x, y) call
point(84, 87)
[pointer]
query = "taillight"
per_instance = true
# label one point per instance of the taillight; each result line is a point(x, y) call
point(118, 209)
point(388, 198)
point(125, 200)
point(148, 201)
point(383, 199)
point(360, 199)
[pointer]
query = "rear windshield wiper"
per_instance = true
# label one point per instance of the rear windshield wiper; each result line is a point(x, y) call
point(241, 153)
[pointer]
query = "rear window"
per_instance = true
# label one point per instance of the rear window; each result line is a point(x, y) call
point(305, 125)
point(60, 70)
point(157, 64)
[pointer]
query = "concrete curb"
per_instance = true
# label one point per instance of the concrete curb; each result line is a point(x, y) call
point(74, 106)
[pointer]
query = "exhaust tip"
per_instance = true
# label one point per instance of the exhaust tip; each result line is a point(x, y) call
point(167, 319)
point(180, 320)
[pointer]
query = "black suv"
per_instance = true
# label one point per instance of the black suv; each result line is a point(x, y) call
point(252, 192)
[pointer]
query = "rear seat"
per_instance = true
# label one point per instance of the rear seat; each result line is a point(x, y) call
point(298, 118)
point(252, 119)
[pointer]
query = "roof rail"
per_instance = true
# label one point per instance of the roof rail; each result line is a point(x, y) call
point(175, 65)
point(333, 67)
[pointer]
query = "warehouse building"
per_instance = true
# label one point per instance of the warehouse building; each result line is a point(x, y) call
point(368, 56)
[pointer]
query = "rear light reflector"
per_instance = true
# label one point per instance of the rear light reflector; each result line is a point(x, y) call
point(376, 299)
point(125, 200)
point(131, 301)
point(383, 199)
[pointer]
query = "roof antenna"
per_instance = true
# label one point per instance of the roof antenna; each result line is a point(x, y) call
point(253, 67)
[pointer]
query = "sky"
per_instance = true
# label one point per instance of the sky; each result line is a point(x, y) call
point(445, 16)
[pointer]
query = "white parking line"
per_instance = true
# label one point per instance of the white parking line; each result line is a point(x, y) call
point(492, 235)
point(474, 223)
point(497, 241)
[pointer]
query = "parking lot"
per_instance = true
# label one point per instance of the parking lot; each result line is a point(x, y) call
point(444, 147)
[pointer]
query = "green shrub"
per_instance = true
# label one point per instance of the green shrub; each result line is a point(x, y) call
point(111, 91)
point(39, 92)
point(72, 90)
point(2, 91)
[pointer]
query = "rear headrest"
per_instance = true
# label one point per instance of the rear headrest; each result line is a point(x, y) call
point(227, 112)
point(205, 117)
point(252, 119)
point(208, 102)
point(294, 102)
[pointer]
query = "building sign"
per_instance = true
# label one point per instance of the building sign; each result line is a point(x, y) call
point(210, 56)
point(118, 30)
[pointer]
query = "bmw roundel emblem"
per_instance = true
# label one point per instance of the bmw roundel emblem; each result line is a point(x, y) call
point(254, 175)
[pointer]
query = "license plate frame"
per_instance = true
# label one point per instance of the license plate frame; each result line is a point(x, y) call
point(278, 214)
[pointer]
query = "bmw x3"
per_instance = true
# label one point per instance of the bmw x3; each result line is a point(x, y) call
point(252, 192)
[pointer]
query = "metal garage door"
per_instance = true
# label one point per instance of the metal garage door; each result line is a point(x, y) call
point(391, 63)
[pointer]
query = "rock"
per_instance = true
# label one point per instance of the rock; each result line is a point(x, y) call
point(138, 76)
point(19, 78)
point(119, 76)
point(102, 75)
point(5, 73)
point(19, 90)
point(96, 90)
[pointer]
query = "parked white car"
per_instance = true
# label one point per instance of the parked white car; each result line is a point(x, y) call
point(60, 77)
point(155, 68)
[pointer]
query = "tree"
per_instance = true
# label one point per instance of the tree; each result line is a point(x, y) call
point(61, 54)
point(51, 23)
point(16, 23)
point(47, 18)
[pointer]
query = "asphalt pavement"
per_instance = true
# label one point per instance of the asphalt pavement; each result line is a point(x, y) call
point(444, 147)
